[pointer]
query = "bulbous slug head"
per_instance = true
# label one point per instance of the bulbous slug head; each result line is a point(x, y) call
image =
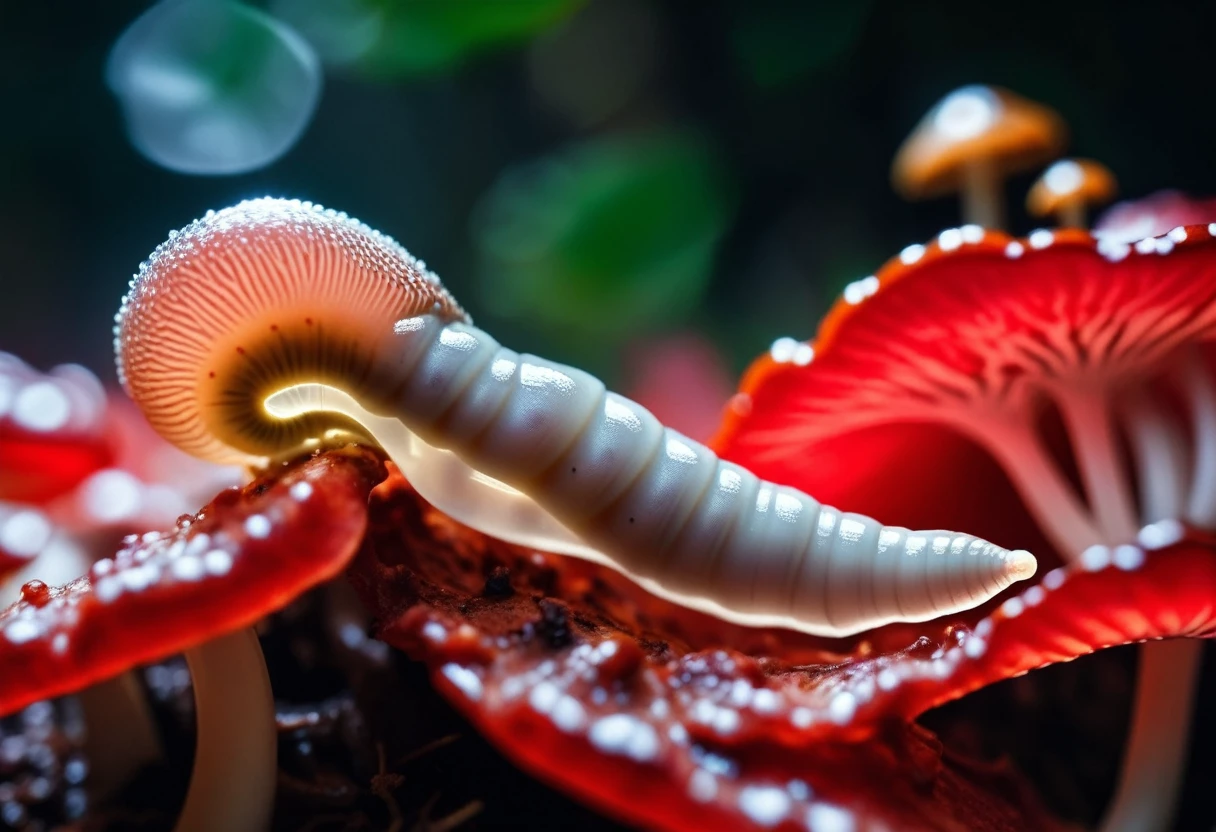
point(245, 301)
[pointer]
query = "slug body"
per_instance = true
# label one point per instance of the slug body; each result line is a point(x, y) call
point(266, 325)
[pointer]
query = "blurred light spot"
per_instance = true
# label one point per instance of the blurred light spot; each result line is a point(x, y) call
point(859, 290)
point(213, 87)
point(111, 495)
point(1063, 177)
point(41, 406)
point(24, 533)
point(966, 113)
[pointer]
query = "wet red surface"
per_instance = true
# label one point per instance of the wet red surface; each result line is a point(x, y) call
point(668, 718)
point(246, 554)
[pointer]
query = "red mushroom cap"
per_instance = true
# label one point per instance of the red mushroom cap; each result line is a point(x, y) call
point(248, 553)
point(52, 430)
point(972, 318)
point(682, 722)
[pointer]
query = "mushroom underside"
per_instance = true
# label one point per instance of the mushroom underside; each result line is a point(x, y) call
point(509, 635)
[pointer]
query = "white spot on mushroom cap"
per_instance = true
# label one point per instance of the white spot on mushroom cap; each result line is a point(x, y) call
point(1127, 557)
point(568, 714)
point(950, 239)
point(22, 629)
point(217, 562)
point(187, 568)
point(1064, 177)
point(911, 254)
point(111, 495)
point(842, 707)
point(859, 290)
point(1055, 578)
point(465, 680)
point(702, 786)
point(824, 817)
point(24, 533)
point(764, 805)
point(1095, 558)
point(42, 407)
point(1112, 249)
point(967, 113)
point(1161, 534)
point(257, 526)
point(1041, 238)
point(626, 735)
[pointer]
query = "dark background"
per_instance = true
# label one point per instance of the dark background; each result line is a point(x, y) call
point(800, 105)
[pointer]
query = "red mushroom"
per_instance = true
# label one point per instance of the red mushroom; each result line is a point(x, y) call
point(52, 430)
point(1034, 363)
point(680, 721)
point(197, 589)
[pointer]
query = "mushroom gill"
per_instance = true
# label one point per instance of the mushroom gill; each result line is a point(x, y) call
point(1081, 366)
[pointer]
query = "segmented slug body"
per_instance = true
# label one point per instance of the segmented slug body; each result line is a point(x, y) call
point(273, 322)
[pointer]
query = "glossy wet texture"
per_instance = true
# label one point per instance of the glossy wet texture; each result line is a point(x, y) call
point(681, 721)
point(246, 554)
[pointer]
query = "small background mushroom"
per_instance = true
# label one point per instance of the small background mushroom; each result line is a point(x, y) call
point(970, 142)
point(1068, 189)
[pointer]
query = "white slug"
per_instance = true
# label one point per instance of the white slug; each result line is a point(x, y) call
point(272, 323)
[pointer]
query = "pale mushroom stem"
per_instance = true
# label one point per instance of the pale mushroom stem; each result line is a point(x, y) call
point(1155, 753)
point(1197, 382)
point(232, 786)
point(1160, 452)
point(983, 199)
point(1044, 488)
point(1089, 420)
point(121, 732)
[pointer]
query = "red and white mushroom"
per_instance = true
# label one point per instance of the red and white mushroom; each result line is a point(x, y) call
point(1029, 363)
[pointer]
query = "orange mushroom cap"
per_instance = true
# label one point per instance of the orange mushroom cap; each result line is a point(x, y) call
point(1071, 182)
point(975, 124)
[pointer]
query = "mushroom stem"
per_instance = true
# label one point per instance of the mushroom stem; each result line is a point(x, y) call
point(235, 759)
point(1088, 418)
point(1160, 451)
point(1156, 750)
point(983, 201)
point(1073, 215)
point(1201, 508)
point(1051, 499)
point(121, 734)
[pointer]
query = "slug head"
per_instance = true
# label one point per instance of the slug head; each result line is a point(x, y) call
point(254, 299)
